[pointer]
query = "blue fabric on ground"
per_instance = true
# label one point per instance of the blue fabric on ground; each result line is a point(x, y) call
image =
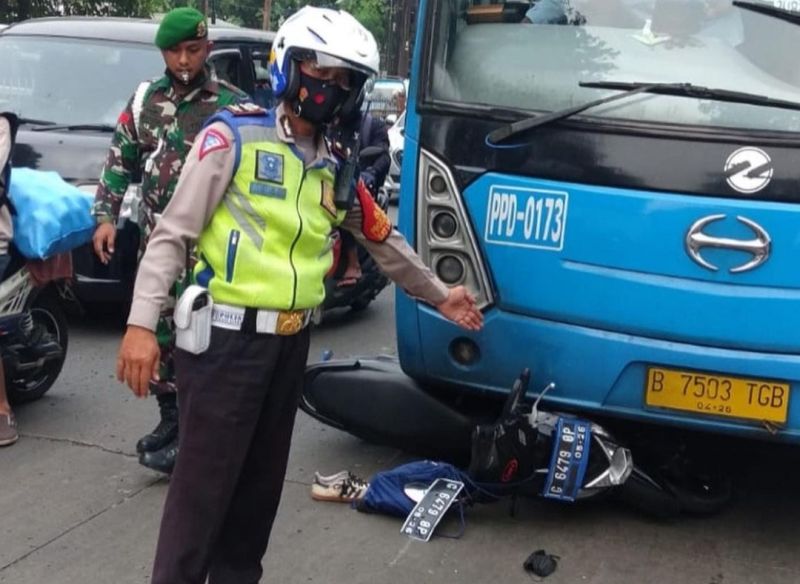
point(385, 493)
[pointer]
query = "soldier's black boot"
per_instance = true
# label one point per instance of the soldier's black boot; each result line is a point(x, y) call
point(167, 429)
point(161, 460)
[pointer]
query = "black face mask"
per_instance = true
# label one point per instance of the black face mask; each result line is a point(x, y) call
point(318, 101)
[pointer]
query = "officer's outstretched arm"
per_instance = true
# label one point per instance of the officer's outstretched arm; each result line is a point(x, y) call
point(373, 229)
point(200, 189)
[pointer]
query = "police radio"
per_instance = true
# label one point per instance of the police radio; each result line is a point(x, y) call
point(345, 140)
point(346, 145)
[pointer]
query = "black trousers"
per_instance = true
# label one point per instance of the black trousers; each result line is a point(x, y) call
point(237, 405)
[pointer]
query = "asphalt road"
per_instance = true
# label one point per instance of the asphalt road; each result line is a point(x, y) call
point(76, 508)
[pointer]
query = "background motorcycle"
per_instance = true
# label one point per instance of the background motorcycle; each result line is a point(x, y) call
point(33, 333)
point(359, 295)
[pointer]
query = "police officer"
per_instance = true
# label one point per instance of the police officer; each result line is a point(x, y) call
point(152, 138)
point(257, 193)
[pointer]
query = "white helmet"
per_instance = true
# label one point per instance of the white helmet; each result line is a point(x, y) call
point(331, 37)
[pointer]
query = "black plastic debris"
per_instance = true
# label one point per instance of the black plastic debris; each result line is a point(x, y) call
point(541, 563)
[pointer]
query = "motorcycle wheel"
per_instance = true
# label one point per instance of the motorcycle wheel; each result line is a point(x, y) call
point(666, 497)
point(701, 495)
point(648, 497)
point(46, 311)
point(378, 282)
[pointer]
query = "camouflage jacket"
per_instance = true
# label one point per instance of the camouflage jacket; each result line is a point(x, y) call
point(168, 125)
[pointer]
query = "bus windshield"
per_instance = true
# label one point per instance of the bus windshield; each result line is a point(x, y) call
point(532, 57)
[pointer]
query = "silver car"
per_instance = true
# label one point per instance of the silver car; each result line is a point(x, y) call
point(396, 140)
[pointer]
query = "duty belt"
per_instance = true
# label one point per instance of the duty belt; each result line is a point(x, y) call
point(262, 321)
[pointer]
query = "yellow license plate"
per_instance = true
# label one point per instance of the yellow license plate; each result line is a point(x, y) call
point(717, 395)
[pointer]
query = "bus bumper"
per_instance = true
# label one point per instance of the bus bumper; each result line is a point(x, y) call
point(595, 371)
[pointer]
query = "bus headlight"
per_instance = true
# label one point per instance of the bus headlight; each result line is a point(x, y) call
point(450, 269)
point(445, 240)
point(438, 184)
point(445, 225)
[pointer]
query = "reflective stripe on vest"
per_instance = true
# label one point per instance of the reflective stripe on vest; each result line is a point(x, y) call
point(268, 245)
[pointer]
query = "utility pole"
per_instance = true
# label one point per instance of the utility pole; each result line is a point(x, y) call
point(205, 8)
point(405, 36)
point(265, 24)
point(390, 61)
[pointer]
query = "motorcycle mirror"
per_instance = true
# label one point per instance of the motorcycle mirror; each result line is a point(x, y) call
point(369, 86)
point(516, 395)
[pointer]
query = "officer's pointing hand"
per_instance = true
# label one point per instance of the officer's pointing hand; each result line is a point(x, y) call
point(137, 362)
point(460, 308)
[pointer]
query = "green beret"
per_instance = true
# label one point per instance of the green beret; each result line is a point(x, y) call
point(181, 24)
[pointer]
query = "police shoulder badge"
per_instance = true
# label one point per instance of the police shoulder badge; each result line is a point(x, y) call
point(375, 223)
point(245, 109)
point(269, 166)
point(213, 140)
point(327, 199)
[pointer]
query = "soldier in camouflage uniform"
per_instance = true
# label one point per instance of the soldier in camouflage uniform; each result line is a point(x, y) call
point(153, 136)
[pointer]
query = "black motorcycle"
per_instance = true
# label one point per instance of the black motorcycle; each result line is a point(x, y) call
point(359, 295)
point(33, 333)
point(520, 450)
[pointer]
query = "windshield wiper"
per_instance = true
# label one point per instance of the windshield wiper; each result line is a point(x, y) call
point(506, 132)
point(697, 92)
point(54, 127)
point(766, 9)
point(629, 89)
point(35, 122)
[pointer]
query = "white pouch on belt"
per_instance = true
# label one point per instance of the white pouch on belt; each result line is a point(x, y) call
point(193, 320)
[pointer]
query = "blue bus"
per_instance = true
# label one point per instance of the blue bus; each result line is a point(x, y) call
point(618, 182)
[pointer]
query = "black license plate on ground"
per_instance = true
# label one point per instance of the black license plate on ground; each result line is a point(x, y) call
point(424, 518)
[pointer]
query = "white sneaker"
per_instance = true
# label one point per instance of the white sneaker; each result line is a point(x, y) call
point(349, 488)
point(329, 480)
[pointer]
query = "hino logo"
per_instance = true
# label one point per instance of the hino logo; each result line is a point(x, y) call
point(748, 170)
point(759, 247)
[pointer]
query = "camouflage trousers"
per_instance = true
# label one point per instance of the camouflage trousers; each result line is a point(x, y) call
point(165, 336)
point(165, 329)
